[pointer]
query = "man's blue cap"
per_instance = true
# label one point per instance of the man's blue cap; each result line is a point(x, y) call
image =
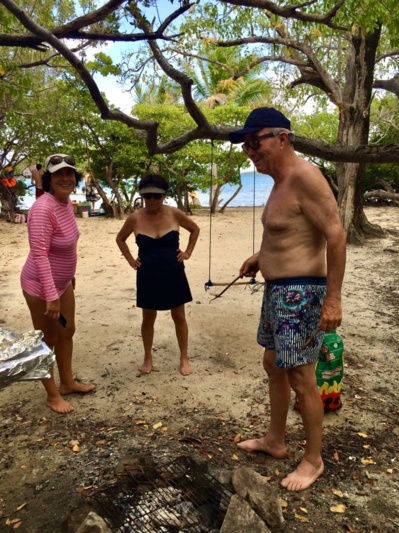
point(259, 118)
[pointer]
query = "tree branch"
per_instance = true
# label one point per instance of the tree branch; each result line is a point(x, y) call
point(46, 36)
point(72, 30)
point(312, 72)
point(354, 154)
point(291, 12)
point(204, 127)
point(391, 85)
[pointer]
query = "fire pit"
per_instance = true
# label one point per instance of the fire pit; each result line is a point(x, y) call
point(164, 495)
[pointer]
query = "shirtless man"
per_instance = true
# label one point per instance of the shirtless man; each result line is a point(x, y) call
point(37, 180)
point(302, 259)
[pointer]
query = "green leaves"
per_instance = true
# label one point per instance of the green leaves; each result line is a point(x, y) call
point(103, 64)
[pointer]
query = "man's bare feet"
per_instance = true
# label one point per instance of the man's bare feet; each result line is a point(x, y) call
point(59, 405)
point(76, 387)
point(279, 451)
point(185, 368)
point(146, 367)
point(303, 476)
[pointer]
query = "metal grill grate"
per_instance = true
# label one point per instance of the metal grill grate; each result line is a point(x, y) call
point(177, 495)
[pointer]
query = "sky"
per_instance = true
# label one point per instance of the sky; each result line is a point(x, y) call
point(115, 94)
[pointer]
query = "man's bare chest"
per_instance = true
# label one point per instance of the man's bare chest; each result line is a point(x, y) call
point(281, 212)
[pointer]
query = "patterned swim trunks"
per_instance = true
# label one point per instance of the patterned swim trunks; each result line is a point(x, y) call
point(290, 314)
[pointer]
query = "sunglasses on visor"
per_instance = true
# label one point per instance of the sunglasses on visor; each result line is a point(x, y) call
point(254, 143)
point(57, 159)
point(152, 195)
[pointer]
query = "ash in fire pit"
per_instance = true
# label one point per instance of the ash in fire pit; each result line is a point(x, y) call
point(177, 495)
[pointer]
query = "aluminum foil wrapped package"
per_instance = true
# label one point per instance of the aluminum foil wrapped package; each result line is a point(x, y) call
point(23, 356)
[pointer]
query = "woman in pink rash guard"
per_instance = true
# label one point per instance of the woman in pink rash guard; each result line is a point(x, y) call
point(48, 276)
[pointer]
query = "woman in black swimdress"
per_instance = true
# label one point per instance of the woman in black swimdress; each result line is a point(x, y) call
point(161, 279)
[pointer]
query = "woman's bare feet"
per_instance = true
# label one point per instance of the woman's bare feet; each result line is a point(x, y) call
point(76, 387)
point(265, 445)
point(146, 367)
point(59, 405)
point(185, 368)
point(303, 476)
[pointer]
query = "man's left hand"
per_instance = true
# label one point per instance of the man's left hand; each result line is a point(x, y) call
point(331, 314)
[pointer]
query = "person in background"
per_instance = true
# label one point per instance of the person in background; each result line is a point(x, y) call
point(48, 276)
point(36, 180)
point(92, 195)
point(161, 281)
point(302, 258)
point(137, 204)
point(8, 180)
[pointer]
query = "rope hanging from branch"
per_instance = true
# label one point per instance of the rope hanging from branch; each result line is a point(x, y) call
point(255, 284)
point(209, 283)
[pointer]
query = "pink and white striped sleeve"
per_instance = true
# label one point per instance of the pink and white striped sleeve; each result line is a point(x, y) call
point(42, 223)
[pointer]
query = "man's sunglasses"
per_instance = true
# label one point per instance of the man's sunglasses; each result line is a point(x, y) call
point(57, 159)
point(152, 195)
point(254, 143)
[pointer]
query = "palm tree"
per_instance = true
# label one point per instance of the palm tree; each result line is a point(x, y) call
point(216, 84)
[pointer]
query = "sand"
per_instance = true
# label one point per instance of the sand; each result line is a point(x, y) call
point(227, 379)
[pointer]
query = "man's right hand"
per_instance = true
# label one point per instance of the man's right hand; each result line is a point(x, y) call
point(250, 267)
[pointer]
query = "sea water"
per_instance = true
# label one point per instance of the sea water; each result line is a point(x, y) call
point(26, 201)
point(255, 191)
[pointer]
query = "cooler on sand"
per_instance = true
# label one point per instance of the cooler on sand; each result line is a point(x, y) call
point(81, 206)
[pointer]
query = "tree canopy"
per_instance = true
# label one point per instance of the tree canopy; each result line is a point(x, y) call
point(324, 54)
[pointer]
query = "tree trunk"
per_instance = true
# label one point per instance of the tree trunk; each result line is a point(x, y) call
point(354, 123)
point(119, 209)
point(106, 205)
point(8, 203)
point(215, 198)
point(221, 210)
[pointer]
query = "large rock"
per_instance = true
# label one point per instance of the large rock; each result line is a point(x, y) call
point(260, 495)
point(93, 524)
point(241, 518)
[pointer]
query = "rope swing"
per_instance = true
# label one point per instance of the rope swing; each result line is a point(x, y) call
point(256, 285)
point(209, 283)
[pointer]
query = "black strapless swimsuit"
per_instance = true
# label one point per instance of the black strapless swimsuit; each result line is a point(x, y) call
point(161, 279)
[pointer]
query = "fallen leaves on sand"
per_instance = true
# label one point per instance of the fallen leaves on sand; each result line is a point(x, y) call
point(21, 506)
point(368, 461)
point(75, 445)
point(338, 493)
point(237, 438)
point(82, 489)
point(157, 425)
point(235, 457)
point(301, 518)
point(363, 435)
point(340, 508)
point(283, 503)
point(15, 523)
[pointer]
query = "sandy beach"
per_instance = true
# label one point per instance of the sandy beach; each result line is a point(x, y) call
point(226, 392)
